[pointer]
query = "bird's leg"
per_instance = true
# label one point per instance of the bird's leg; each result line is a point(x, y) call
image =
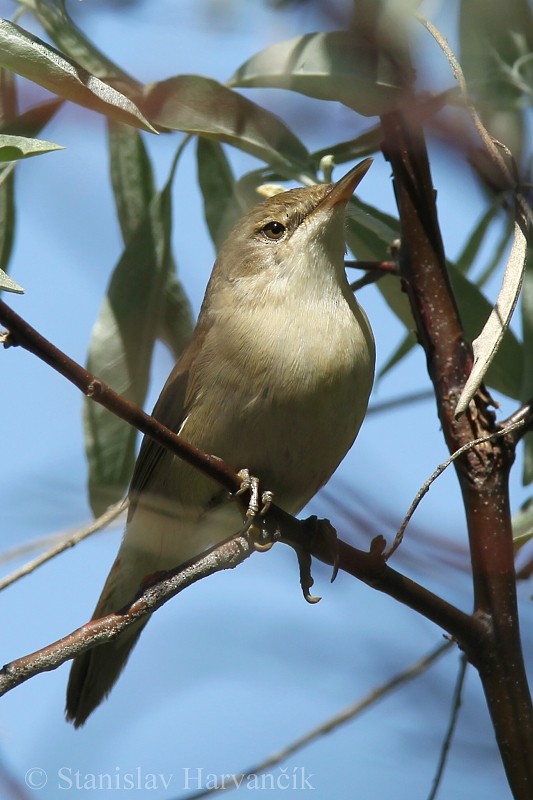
point(249, 483)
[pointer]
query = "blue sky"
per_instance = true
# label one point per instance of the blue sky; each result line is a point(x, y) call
point(238, 666)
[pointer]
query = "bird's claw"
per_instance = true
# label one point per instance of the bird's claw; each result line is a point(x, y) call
point(249, 483)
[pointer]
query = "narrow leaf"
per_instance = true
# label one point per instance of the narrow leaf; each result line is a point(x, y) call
point(175, 326)
point(121, 349)
point(476, 238)
point(33, 120)
point(32, 58)
point(222, 205)
point(201, 106)
point(405, 347)
point(131, 176)
point(7, 284)
point(13, 148)
point(523, 524)
point(8, 110)
point(329, 66)
point(505, 373)
point(526, 392)
point(363, 145)
point(487, 343)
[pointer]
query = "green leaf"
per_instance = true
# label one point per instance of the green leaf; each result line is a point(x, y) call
point(369, 232)
point(338, 65)
point(134, 190)
point(526, 390)
point(175, 326)
point(523, 524)
point(201, 106)
point(13, 148)
point(145, 301)
point(494, 37)
point(476, 238)
point(8, 110)
point(121, 349)
point(405, 347)
point(505, 373)
point(32, 58)
point(59, 26)
point(222, 205)
point(363, 145)
point(7, 284)
point(33, 120)
point(131, 176)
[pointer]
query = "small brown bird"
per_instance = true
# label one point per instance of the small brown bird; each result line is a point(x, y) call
point(276, 378)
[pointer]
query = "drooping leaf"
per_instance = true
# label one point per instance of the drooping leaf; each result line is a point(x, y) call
point(131, 176)
point(222, 205)
point(121, 349)
point(405, 347)
point(487, 343)
point(134, 190)
point(523, 524)
point(202, 106)
point(30, 122)
point(505, 373)
point(145, 301)
point(13, 148)
point(7, 284)
point(370, 232)
point(175, 325)
point(361, 146)
point(526, 391)
point(337, 65)
point(476, 238)
point(32, 58)
point(8, 110)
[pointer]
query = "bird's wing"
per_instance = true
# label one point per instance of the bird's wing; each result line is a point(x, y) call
point(171, 410)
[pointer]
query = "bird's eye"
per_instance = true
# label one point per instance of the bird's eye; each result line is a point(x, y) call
point(274, 230)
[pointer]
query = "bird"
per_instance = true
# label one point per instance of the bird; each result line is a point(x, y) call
point(276, 379)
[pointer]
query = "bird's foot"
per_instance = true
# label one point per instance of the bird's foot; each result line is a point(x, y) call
point(258, 506)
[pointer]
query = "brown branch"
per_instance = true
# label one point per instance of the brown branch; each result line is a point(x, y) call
point(523, 414)
point(23, 335)
point(369, 567)
point(225, 556)
point(482, 471)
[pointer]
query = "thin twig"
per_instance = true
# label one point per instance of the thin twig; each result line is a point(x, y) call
point(349, 713)
point(224, 556)
point(73, 539)
point(21, 333)
point(440, 469)
point(454, 716)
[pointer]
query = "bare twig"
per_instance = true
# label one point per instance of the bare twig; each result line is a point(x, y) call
point(71, 540)
point(348, 714)
point(22, 334)
point(225, 556)
point(440, 469)
point(456, 705)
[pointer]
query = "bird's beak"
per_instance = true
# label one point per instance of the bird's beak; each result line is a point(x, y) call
point(343, 189)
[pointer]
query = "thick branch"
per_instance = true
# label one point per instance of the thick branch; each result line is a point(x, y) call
point(482, 471)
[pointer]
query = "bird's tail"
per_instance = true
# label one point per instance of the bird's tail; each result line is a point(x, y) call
point(94, 672)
